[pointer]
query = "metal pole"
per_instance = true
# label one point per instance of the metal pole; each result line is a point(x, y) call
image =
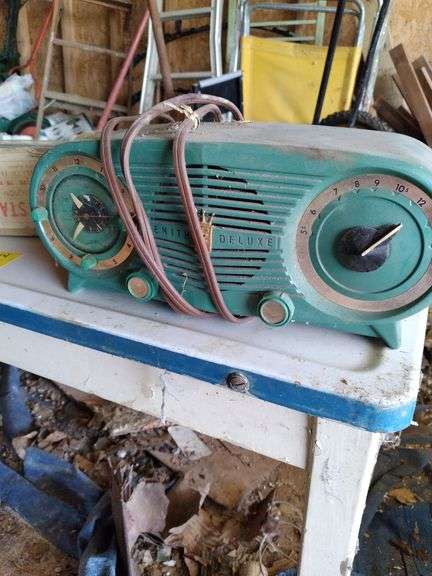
point(123, 71)
point(370, 61)
point(164, 64)
point(329, 60)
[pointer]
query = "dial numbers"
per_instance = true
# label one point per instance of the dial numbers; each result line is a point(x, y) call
point(81, 217)
point(354, 288)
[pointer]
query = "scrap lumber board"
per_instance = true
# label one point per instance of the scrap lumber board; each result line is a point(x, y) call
point(422, 62)
point(424, 74)
point(412, 91)
point(409, 118)
point(401, 121)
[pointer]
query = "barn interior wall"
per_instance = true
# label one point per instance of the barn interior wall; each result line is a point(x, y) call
point(92, 75)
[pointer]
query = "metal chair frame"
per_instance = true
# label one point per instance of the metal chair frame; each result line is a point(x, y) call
point(244, 23)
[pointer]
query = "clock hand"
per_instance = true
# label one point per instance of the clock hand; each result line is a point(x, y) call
point(76, 201)
point(386, 237)
point(78, 230)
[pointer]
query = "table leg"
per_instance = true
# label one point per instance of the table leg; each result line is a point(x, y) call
point(341, 463)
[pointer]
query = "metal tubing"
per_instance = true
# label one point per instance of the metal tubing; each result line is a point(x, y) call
point(243, 21)
point(151, 74)
point(124, 70)
point(215, 37)
point(359, 12)
point(329, 60)
point(48, 62)
point(371, 64)
point(161, 49)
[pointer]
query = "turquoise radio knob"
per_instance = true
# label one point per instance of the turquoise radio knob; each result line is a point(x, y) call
point(39, 214)
point(276, 308)
point(142, 286)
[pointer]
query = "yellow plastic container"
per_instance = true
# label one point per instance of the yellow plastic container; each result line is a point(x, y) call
point(281, 80)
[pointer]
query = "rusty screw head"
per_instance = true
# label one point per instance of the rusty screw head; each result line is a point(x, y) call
point(237, 381)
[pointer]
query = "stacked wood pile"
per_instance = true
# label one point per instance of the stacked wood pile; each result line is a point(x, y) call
point(414, 81)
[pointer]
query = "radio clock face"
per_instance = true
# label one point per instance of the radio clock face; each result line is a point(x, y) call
point(78, 215)
point(365, 243)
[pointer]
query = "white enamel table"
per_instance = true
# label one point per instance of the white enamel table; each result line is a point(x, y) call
point(318, 399)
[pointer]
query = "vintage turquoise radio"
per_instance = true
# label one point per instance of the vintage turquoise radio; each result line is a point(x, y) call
point(317, 225)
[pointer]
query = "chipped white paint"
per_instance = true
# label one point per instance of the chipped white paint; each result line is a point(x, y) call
point(342, 460)
point(214, 410)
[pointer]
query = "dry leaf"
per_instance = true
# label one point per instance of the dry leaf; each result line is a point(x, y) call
point(89, 399)
point(83, 464)
point(52, 438)
point(403, 495)
point(20, 443)
point(196, 536)
point(253, 569)
point(184, 502)
point(192, 566)
point(189, 442)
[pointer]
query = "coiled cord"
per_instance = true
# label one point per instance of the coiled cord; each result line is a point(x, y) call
point(138, 225)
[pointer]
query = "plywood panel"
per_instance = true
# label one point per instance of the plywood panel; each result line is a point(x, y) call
point(411, 23)
point(86, 72)
point(32, 16)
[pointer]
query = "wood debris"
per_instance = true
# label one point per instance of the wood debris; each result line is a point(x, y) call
point(414, 81)
point(137, 510)
point(189, 442)
point(403, 495)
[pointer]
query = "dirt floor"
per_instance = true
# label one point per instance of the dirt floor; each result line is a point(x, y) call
point(24, 553)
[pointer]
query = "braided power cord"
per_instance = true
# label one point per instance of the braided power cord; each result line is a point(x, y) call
point(137, 222)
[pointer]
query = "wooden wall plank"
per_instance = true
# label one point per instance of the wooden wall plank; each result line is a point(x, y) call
point(412, 91)
point(32, 15)
point(86, 72)
point(119, 39)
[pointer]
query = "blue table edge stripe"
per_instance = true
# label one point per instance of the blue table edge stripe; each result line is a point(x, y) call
point(273, 390)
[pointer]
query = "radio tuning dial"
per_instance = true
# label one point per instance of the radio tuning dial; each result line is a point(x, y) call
point(364, 249)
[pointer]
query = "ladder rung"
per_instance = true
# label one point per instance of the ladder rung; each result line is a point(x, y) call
point(88, 47)
point(188, 75)
point(185, 14)
point(81, 100)
point(281, 23)
point(114, 4)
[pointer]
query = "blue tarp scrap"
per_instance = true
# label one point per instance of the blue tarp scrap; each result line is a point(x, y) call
point(17, 418)
point(97, 545)
point(66, 507)
point(61, 480)
point(55, 520)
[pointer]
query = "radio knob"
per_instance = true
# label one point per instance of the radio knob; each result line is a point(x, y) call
point(276, 308)
point(142, 286)
point(364, 249)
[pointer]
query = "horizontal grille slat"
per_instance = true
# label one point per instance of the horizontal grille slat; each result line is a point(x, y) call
point(247, 206)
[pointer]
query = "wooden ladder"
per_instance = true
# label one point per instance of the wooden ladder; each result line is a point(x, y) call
point(74, 101)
